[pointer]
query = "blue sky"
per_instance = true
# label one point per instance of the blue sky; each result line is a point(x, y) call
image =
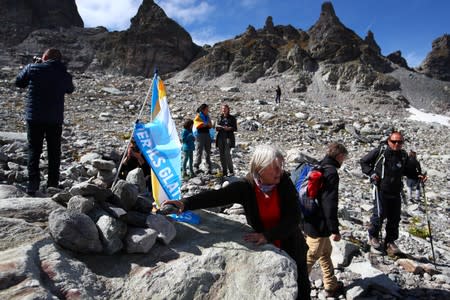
point(406, 25)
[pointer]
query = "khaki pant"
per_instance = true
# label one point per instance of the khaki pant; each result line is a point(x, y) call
point(320, 249)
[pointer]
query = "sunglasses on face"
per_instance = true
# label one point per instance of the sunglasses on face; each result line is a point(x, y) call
point(399, 142)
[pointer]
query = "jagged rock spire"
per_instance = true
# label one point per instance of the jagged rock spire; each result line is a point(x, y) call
point(331, 40)
point(328, 11)
point(370, 40)
point(396, 58)
point(269, 23)
point(437, 62)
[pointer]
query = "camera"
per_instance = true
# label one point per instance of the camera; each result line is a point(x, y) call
point(37, 59)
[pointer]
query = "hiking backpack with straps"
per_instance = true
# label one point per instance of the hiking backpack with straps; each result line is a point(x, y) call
point(308, 180)
point(381, 158)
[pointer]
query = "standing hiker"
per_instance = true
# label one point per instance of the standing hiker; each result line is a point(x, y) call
point(202, 126)
point(385, 165)
point(270, 206)
point(188, 146)
point(226, 126)
point(323, 223)
point(414, 177)
point(47, 81)
point(278, 95)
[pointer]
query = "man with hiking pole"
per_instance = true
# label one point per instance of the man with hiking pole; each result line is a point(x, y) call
point(386, 165)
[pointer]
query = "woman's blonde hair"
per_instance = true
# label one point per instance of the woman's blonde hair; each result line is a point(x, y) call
point(263, 157)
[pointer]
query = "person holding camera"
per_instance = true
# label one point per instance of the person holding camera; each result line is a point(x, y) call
point(47, 81)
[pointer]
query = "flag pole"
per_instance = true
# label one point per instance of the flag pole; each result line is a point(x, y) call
point(132, 132)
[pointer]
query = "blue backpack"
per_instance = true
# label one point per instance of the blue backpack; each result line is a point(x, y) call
point(308, 180)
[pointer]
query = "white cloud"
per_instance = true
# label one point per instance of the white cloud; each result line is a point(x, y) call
point(114, 15)
point(208, 36)
point(186, 11)
point(249, 3)
point(414, 59)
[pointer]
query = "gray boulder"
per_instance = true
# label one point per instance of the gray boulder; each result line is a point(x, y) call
point(111, 232)
point(137, 177)
point(74, 231)
point(10, 191)
point(140, 240)
point(166, 230)
point(126, 194)
point(28, 209)
point(81, 204)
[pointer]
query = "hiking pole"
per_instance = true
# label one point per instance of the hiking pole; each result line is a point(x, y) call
point(428, 222)
point(132, 133)
point(377, 198)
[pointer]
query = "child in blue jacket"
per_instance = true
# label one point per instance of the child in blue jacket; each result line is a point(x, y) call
point(188, 140)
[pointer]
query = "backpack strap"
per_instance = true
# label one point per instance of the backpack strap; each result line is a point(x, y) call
point(379, 158)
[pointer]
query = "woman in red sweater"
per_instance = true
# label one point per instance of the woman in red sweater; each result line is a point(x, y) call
point(270, 204)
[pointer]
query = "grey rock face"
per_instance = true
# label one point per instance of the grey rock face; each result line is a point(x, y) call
point(28, 209)
point(9, 191)
point(74, 231)
point(437, 62)
point(21, 17)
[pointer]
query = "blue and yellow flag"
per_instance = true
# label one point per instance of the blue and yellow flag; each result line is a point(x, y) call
point(161, 147)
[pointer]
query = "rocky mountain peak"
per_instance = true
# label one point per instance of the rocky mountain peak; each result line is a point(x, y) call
point(437, 62)
point(21, 17)
point(327, 13)
point(269, 23)
point(330, 40)
point(396, 58)
point(149, 14)
point(370, 40)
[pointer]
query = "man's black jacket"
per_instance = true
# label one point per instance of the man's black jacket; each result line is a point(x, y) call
point(47, 83)
point(395, 166)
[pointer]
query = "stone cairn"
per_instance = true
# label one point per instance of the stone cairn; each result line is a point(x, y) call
point(103, 219)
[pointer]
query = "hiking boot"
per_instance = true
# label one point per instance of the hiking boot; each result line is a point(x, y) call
point(392, 249)
point(374, 243)
point(338, 290)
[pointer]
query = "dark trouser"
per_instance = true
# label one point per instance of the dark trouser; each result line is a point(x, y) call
point(35, 135)
point(277, 99)
point(225, 155)
point(203, 142)
point(390, 209)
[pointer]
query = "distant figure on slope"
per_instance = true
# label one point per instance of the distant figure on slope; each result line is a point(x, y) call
point(188, 146)
point(226, 126)
point(324, 223)
point(202, 125)
point(278, 95)
point(47, 82)
point(414, 176)
point(270, 204)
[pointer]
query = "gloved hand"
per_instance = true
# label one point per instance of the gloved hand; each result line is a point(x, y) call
point(374, 179)
point(423, 178)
